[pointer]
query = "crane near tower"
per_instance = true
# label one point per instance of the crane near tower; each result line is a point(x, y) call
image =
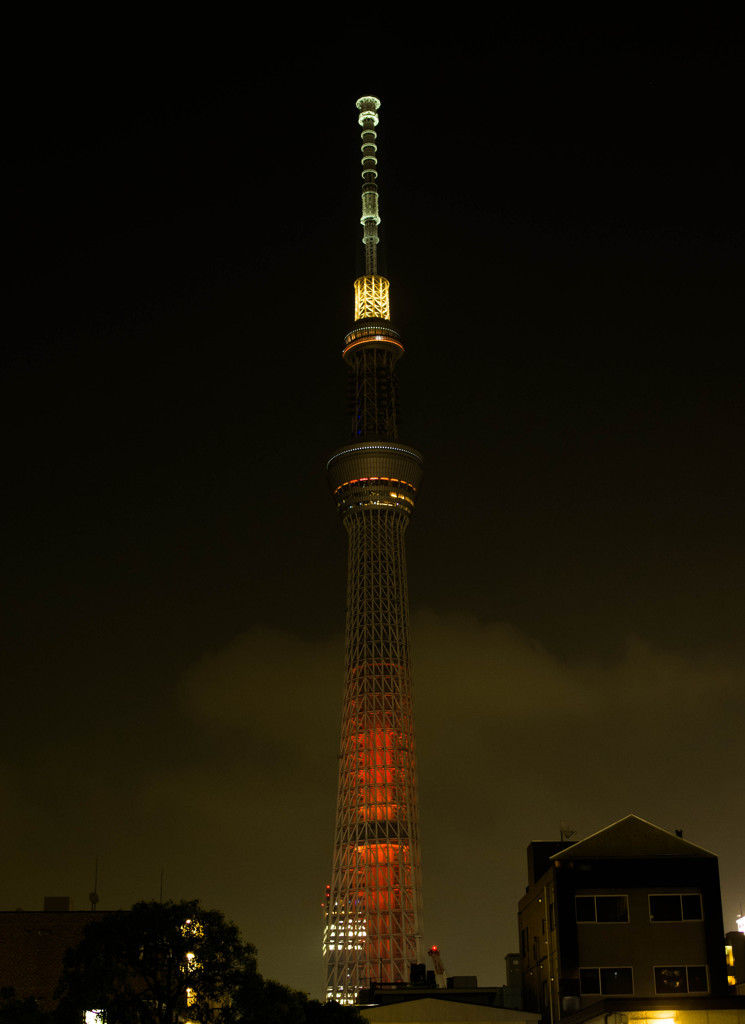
point(373, 925)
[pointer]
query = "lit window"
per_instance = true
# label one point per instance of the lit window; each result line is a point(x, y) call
point(678, 980)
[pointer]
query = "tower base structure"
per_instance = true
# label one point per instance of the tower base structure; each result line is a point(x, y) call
point(373, 911)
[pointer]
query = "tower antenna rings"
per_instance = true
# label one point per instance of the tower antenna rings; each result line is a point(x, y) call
point(368, 107)
point(368, 119)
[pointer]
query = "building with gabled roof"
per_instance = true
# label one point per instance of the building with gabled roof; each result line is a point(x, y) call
point(630, 916)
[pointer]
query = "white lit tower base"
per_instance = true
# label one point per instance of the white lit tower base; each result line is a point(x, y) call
point(373, 906)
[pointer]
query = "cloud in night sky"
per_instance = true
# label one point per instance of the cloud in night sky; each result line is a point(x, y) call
point(510, 737)
point(229, 788)
point(281, 692)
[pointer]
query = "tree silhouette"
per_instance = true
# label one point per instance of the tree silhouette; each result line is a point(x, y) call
point(155, 964)
point(163, 963)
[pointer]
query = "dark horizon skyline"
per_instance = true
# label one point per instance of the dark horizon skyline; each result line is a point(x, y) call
point(562, 231)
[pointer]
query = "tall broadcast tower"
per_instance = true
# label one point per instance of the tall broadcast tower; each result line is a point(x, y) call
point(374, 903)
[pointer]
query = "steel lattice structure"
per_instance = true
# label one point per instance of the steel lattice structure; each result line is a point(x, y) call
point(373, 905)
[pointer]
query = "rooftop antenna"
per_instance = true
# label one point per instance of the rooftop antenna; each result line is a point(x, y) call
point(566, 831)
point(93, 895)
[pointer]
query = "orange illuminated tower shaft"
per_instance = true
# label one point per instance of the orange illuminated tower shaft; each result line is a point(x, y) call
point(373, 905)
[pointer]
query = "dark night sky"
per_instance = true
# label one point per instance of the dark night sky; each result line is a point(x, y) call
point(562, 228)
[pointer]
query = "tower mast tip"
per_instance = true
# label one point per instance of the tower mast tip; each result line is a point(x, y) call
point(371, 291)
point(368, 106)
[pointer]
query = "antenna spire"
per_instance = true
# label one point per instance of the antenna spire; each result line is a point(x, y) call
point(368, 107)
point(371, 300)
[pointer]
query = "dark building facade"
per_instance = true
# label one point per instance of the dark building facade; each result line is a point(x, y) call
point(33, 946)
point(630, 916)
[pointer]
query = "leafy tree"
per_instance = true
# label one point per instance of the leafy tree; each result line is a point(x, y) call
point(159, 963)
point(15, 1010)
point(154, 964)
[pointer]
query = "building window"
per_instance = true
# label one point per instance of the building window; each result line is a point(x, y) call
point(602, 909)
point(677, 980)
point(675, 907)
point(606, 981)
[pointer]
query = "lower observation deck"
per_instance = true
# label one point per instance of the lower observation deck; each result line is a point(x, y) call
point(375, 474)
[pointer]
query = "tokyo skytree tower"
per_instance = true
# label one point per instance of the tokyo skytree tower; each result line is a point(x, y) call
point(373, 906)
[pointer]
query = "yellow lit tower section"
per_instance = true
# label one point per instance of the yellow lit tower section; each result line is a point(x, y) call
point(373, 906)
